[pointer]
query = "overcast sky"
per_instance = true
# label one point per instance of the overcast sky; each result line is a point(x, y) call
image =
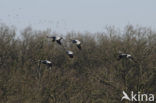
point(77, 15)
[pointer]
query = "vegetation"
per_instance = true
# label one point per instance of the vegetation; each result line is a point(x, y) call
point(94, 75)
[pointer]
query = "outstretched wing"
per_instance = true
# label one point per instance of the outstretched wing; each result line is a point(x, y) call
point(59, 42)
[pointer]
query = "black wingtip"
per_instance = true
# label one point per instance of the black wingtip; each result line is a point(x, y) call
point(71, 56)
point(59, 42)
point(79, 47)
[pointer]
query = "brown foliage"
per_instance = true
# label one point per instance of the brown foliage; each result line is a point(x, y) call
point(94, 75)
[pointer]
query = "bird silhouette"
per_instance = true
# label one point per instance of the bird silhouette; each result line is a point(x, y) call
point(46, 62)
point(78, 43)
point(56, 38)
point(70, 53)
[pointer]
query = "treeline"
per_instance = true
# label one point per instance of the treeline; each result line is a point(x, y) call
point(94, 75)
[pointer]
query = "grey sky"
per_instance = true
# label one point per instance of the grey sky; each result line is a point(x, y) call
point(77, 15)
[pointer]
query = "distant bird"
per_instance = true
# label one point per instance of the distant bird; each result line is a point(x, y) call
point(46, 62)
point(78, 43)
point(123, 55)
point(56, 38)
point(70, 53)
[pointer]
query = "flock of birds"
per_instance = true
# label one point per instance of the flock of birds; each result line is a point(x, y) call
point(58, 40)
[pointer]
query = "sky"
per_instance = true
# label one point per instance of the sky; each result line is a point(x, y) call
point(63, 16)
